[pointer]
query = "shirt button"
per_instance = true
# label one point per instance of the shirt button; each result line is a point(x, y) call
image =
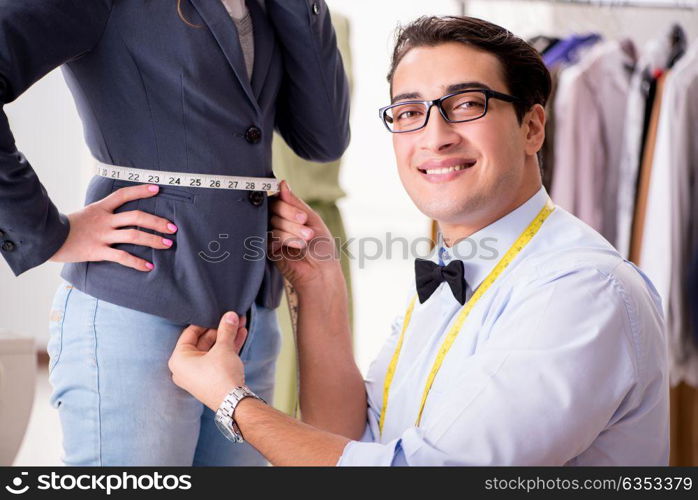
point(8, 246)
point(316, 8)
point(253, 135)
point(256, 198)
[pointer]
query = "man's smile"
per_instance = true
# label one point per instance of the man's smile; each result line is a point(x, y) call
point(438, 171)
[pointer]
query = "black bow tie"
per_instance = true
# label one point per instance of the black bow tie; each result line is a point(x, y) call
point(430, 276)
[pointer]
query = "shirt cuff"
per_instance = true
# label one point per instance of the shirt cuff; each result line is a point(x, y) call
point(358, 453)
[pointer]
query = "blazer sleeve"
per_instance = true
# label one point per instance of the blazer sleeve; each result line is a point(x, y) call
point(36, 36)
point(313, 106)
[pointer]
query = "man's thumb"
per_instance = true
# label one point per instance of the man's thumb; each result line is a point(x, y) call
point(227, 331)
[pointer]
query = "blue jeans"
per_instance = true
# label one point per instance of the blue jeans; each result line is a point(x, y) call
point(114, 392)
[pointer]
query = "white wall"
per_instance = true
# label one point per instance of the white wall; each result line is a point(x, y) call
point(48, 131)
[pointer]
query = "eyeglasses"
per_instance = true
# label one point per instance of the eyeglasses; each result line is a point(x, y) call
point(459, 107)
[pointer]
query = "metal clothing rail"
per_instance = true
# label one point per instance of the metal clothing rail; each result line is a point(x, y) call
point(641, 4)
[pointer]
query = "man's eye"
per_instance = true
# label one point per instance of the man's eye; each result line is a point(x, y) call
point(470, 104)
point(406, 115)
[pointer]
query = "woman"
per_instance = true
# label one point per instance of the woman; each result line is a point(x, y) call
point(162, 85)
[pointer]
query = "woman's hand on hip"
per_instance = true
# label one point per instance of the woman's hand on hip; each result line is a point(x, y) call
point(96, 227)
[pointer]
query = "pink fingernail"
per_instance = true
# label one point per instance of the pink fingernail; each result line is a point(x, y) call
point(171, 227)
point(149, 265)
point(167, 242)
point(153, 188)
point(300, 217)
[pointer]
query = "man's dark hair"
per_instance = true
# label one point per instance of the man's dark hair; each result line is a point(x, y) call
point(524, 72)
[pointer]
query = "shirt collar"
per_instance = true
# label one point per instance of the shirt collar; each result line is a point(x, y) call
point(481, 251)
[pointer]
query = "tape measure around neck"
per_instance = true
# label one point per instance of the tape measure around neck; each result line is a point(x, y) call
point(515, 249)
point(206, 181)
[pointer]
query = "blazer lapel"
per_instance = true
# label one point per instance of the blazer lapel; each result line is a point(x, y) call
point(225, 32)
point(264, 44)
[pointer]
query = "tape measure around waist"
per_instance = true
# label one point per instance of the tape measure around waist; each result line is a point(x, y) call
point(207, 181)
point(515, 249)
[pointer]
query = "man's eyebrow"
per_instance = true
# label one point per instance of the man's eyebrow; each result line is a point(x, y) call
point(466, 85)
point(448, 89)
point(406, 96)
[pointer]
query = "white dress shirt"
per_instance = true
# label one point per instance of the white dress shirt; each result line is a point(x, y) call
point(563, 360)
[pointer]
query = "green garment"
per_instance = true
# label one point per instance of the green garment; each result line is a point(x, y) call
point(318, 185)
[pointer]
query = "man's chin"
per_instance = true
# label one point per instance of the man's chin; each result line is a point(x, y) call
point(446, 206)
point(444, 215)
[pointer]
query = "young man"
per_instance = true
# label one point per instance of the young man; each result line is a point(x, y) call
point(542, 347)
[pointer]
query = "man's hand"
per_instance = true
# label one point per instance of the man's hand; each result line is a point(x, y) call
point(96, 227)
point(301, 245)
point(205, 362)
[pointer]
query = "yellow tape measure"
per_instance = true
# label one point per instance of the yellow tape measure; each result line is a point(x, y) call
point(515, 249)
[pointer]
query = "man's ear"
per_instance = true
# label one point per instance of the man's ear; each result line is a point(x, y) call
point(534, 129)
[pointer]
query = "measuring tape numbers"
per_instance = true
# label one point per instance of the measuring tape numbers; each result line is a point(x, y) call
point(207, 181)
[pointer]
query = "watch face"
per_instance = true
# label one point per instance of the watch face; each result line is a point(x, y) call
point(225, 425)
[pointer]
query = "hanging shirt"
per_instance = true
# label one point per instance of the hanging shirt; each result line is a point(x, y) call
point(656, 56)
point(566, 51)
point(562, 361)
point(644, 175)
point(589, 115)
point(670, 239)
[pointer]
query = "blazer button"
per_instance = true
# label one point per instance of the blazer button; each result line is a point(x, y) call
point(316, 8)
point(256, 198)
point(253, 135)
point(8, 246)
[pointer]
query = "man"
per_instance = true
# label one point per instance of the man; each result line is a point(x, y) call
point(543, 347)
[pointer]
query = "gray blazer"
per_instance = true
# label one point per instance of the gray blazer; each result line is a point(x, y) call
point(156, 93)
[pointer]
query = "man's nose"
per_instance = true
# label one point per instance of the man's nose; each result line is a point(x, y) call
point(438, 134)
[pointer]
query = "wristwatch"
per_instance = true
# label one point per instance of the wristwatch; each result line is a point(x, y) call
point(224, 416)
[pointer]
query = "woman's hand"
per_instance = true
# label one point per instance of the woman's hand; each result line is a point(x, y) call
point(300, 244)
point(94, 228)
point(205, 362)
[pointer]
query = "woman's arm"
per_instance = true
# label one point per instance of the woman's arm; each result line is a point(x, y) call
point(35, 37)
point(312, 111)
